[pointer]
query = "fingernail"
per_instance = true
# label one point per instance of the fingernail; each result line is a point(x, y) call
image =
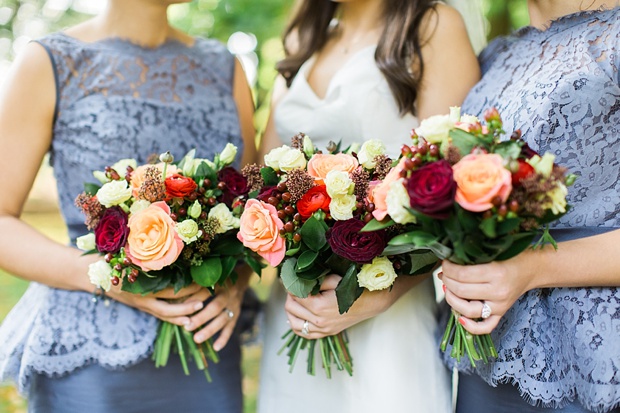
point(188, 326)
point(187, 322)
point(217, 347)
point(443, 286)
point(440, 273)
point(462, 321)
point(198, 306)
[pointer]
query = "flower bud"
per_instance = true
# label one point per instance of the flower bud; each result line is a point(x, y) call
point(194, 210)
point(166, 157)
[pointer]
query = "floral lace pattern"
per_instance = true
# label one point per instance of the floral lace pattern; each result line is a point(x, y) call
point(115, 100)
point(561, 88)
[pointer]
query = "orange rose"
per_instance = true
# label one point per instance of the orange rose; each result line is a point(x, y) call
point(153, 242)
point(378, 191)
point(259, 230)
point(479, 179)
point(138, 175)
point(321, 164)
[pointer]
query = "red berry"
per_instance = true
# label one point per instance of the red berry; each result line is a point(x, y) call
point(502, 210)
point(281, 187)
point(115, 281)
point(206, 183)
point(221, 185)
point(405, 150)
point(127, 261)
point(297, 217)
point(487, 214)
point(193, 196)
point(182, 212)
point(289, 227)
point(173, 216)
point(273, 200)
point(212, 201)
point(513, 206)
point(118, 267)
point(281, 214)
point(203, 215)
point(368, 218)
point(289, 210)
point(297, 237)
point(422, 147)
point(496, 201)
point(370, 207)
point(408, 164)
point(286, 197)
point(108, 257)
point(417, 161)
point(433, 150)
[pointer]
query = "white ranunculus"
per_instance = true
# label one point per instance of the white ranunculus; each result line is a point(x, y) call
point(188, 231)
point(397, 200)
point(436, 129)
point(101, 176)
point(114, 193)
point(86, 242)
point(272, 159)
point(121, 166)
point(292, 159)
point(139, 205)
point(100, 274)
point(557, 203)
point(338, 183)
point(194, 210)
point(341, 207)
point(377, 275)
point(543, 165)
point(228, 154)
point(369, 151)
point(227, 220)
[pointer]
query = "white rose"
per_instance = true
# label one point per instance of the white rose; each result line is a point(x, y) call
point(188, 231)
point(222, 214)
point(436, 129)
point(272, 159)
point(86, 242)
point(101, 176)
point(293, 159)
point(557, 203)
point(369, 151)
point(543, 165)
point(470, 119)
point(121, 166)
point(194, 210)
point(455, 114)
point(114, 193)
point(338, 183)
point(377, 275)
point(228, 154)
point(341, 207)
point(100, 274)
point(139, 205)
point(397, 200)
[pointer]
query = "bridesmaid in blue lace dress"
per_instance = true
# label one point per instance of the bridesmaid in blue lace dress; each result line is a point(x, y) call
point(555, 314)
point(124, 84)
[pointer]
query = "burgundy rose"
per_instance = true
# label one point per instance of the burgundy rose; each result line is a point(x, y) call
point(347, 241)
point(111, 231)
point(267, 192)
point(527, 152)
point(432, 188)
point(235, 184)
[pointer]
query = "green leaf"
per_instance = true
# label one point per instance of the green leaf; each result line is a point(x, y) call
point(508, 225)
point(313, 273)
point(293, 251)
point(339, 265)
point(208, 273)
point(229, 263)
point(419, 263)
point(488, 227)
point(148, 285)
point(520, 242)
point(297, 286)
point(313, 234)
point(464, 141)
point(508, 149)
point(91, 189)
point(375, 225)
point(227, 244)
point(187, 158)
point(306, 260)
point(468, 221)
point(348, 290)
point(417, 238)
point(269, 176)
point(256, 265)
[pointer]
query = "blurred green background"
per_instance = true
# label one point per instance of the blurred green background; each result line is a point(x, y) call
point(250, 28)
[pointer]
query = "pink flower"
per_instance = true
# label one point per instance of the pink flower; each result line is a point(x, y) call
point(378, 191)
point(480, 178)
point(259, 230)
point(321, 164)
point(153, 242)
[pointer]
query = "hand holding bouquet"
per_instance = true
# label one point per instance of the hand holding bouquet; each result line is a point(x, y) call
point(167, 225)
point(471, 198)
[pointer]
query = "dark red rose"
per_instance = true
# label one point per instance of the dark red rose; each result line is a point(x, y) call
point(527, 152)
point(431, 189)
point(111, 231)
point(313, 200)
point(525, 170)
point(347, 241)
point(267, 192)
point(235, 184)
point(179, 186)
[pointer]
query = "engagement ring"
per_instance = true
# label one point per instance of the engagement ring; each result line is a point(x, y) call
point(229, 313)
point(486, 311)
point(304, 329)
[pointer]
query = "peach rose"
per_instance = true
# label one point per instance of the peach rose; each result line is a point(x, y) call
point(378, 191)
point(259, 230)
point(152, 242)
point(137, 176)
point(480, 178)
point(321, 164)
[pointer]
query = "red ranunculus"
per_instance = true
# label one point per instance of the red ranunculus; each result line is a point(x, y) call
point(525, 170)
point(267, 192)
point(235, 185)
point(179, 186)
point(111, 231)
point(313, 200)
point(431, 189)
point(347, 241)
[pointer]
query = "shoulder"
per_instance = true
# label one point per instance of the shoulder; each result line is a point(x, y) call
point(211, 47)
point(442, 21)
point(495, 48)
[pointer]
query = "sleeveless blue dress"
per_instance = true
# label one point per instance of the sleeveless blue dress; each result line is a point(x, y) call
point(118, 100)
point(559, 347)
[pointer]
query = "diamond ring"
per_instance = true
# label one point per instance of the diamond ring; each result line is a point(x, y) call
point(229, 313)
point(486, 311)
point(304, 329)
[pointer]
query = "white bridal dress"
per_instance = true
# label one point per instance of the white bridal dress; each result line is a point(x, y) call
point(397, 368)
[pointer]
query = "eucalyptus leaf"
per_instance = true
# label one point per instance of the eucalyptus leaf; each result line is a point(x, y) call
point(508, 149)
point(348, 290)
point(417, 238)
point(464, 141)
point(419, 263)
point(270, 177)
point(313, 234)
point(292, 283)
point(229, 263)
point(208, 273)
point(91, 189)
point(508, 225)
point(520, 242)
point(256, 265)
point(375, 225)
point(306, 260)
point(488, 226)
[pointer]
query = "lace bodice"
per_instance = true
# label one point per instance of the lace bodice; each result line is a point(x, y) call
point(115, 100)
point(561, 88)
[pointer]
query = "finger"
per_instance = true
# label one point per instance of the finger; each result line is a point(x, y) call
point(225, 334)
point(468, 291)
point(297, 325)
point(169, 293)
point(330, 282)
point(480, 327)
point(179, 321)
point(213, 309)
point(164, 309)
point(470, 309)
point(295, 308)
point(215, 325)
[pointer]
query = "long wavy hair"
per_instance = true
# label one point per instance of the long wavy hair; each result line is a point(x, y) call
point(398, 50)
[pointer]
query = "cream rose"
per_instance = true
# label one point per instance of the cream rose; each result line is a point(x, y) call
point(397, 200)
point(378, 275)
point(188, 231)
point(338, 183)
point(194, 210)
point(557, 199)
point(341, 207)
point(86, 242)
point(222, 214)
point(114, 193)
point(272, 159)
point(292, 159)
point(139, 205)
point(100, 274)
point(228, 154)
point(369, 151)
point(544, 165)
point(436, 129)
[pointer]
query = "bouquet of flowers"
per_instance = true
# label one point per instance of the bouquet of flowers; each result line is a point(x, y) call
point(167, 225)
point(471, 198)
point(306, 218)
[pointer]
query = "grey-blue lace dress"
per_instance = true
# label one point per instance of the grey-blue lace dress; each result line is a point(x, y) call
point(559, 347)
point(118, 100)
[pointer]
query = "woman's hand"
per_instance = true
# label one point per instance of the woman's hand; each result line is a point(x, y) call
point(321, 310)
point(498, 284)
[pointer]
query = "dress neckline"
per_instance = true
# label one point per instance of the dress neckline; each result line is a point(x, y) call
point(563, 23)
point(331, 86)
point(124, 43)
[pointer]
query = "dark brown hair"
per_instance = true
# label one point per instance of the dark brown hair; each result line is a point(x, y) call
point(398, 50)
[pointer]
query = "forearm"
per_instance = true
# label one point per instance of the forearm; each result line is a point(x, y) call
point(30, 255)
